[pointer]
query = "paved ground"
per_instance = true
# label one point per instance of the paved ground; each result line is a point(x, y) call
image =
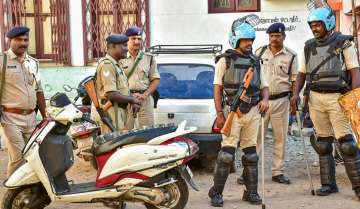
point(294, 196)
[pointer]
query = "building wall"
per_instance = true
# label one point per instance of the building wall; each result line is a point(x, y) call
point(76, 33)
point(188, 22)
point(346, 18)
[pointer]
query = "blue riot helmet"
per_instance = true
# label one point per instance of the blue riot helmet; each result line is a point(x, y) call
point(243, 31)
point(325, 15)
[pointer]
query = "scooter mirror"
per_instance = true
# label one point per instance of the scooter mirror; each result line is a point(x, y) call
point(67, 88)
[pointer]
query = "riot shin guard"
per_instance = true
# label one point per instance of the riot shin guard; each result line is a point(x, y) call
point(351, 155)
point(222, 168)
point(250, 163)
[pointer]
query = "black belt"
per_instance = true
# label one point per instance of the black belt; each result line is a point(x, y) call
point(327, 91)
point(121, 105)
point(278, 96)
point(137, 91)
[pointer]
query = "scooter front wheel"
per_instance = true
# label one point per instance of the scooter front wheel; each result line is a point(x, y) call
point(177, 196)
point(27, 197)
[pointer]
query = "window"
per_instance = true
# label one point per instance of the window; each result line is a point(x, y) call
point(186, 81)
point(220, 6)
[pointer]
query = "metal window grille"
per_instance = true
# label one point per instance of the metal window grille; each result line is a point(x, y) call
point(103, 17)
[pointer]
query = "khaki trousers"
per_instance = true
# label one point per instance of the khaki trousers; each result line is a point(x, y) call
point(16, 137)
point(243, 129)
point(145, 116)
point(278, 117)
point(327, 115)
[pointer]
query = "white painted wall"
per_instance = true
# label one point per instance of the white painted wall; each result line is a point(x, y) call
point(76, 33)
point(188, 22)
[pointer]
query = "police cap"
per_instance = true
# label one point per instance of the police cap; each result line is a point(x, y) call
point(18, 31)
point(133, 31)
point(117, 39)
point(276, 28)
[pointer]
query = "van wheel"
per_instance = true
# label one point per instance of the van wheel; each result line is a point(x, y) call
point(27, 197)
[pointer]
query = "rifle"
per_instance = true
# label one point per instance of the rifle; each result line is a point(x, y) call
point(234, 108)
point(90, 89)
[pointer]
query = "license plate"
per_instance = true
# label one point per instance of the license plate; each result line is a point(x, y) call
point(189, 171)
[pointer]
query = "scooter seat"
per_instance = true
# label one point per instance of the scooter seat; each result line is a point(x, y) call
point(108, 142)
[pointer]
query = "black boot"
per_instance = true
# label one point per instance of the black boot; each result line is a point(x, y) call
point(216, 198)
point(324, 147)
point(240, 179)
point(357, 192)
point(252, 197)
point(351, 156)
point(221, 173)
point(250, 173)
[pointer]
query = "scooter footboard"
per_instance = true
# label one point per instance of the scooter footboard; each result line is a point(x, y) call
point(24, 175)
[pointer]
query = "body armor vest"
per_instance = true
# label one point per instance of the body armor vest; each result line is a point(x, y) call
point(237, 66)
point(331, 76)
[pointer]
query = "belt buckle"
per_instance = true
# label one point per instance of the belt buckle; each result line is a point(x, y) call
point(23, 112)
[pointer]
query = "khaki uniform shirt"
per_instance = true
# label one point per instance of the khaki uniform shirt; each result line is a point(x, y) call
point(276, 69)
point(220, 70)
point(145, 72)
point(22, 81)
point(110, 77)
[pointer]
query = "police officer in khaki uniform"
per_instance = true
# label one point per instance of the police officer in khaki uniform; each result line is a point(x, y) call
point(330, 65)
point(144, 78)
point(21, 95)
point(112, 84)
point(279, 64)
point(230, 71)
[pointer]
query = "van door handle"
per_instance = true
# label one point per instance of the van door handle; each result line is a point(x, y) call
point(171, 115)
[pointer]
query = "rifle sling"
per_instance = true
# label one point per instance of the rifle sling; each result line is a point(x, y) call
point(137, 61)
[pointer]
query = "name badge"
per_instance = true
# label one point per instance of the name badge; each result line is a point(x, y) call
point(11, 66)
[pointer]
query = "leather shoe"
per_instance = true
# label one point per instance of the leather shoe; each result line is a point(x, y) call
point(281, 179)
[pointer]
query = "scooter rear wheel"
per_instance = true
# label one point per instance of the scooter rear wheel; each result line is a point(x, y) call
point(178, 193)
point(27, 197)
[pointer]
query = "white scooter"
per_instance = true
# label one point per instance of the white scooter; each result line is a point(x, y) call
point(147, 165)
